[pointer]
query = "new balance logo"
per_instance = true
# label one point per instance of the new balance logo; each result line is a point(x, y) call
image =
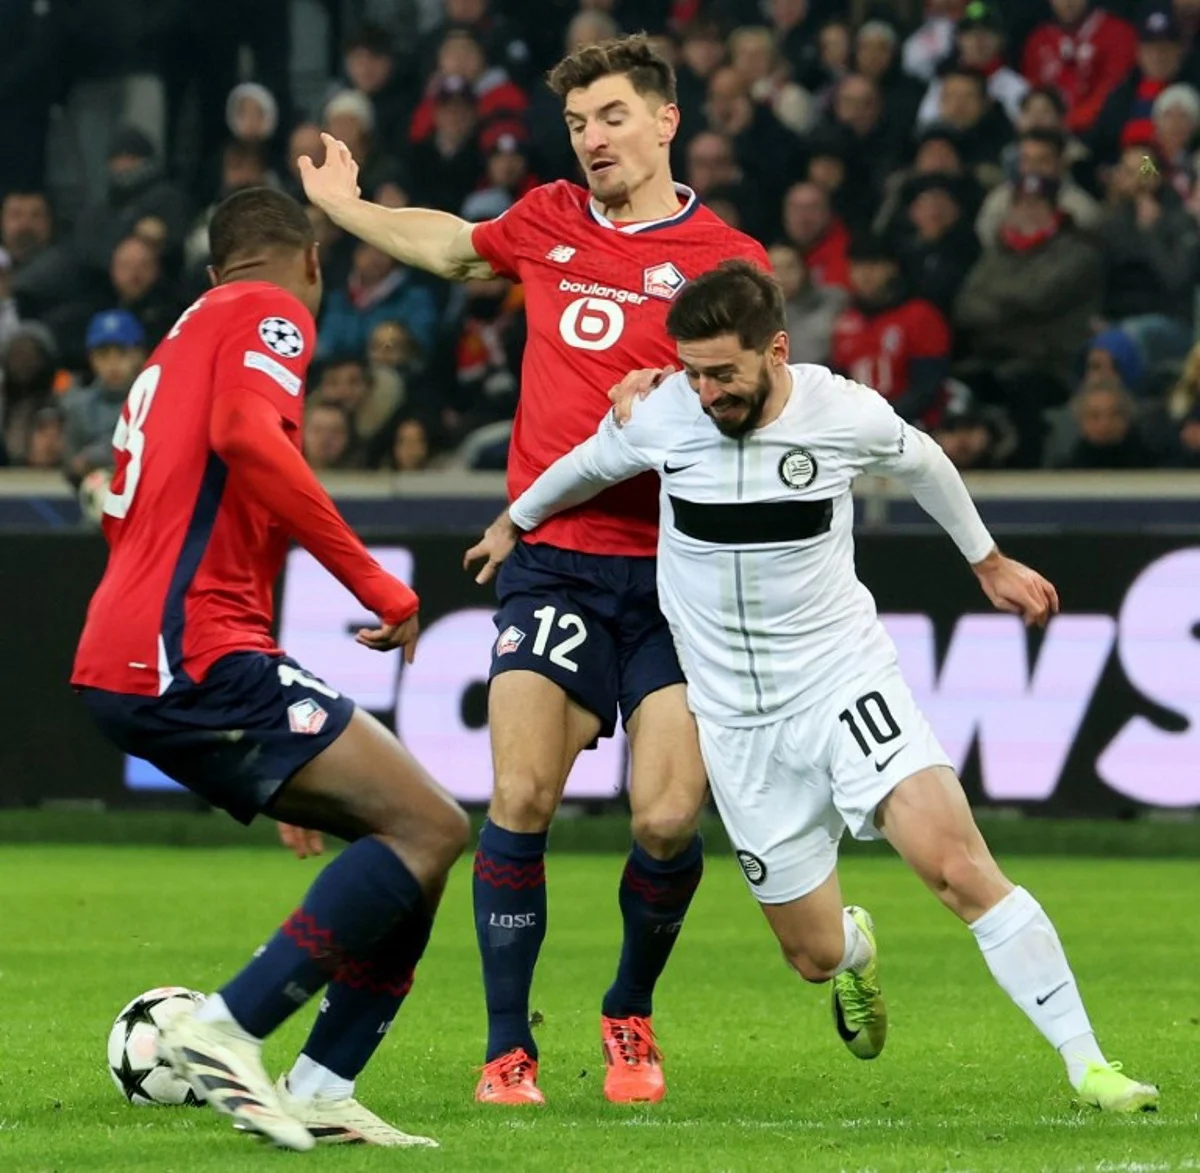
point(561, 253)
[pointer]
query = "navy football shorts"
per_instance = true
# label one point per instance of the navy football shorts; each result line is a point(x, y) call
point(589, 622)
point(235, 738)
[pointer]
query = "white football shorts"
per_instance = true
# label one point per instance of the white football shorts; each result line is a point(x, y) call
point(787, 791)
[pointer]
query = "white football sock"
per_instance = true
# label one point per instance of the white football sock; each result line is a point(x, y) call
point(1026, 958)
point(214, 1009)
point(858, 946)
point(308, 1079)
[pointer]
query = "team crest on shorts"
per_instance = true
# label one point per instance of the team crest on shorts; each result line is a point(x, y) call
point(755, 869)
point(662, 281)
point(306, 716)
point(510, 639)
point(798, 468)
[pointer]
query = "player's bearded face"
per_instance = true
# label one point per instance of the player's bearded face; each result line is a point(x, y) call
point(737, 412)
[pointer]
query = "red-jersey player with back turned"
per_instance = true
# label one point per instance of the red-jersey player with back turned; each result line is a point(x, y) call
point(177, 665)
point(580, 634)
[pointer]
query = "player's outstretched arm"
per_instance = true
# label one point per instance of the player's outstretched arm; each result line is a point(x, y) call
point(246, 432)
point(435, 241)
point(937, 487)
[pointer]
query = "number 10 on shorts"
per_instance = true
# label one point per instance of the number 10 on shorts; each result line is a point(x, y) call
point(875, 717)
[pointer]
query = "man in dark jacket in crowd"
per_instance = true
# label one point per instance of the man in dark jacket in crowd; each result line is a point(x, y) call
point(30, 43)
point(936, 243)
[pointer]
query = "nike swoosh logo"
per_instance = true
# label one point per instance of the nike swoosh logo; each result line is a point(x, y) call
point(678, 468)
point(881, 766)
point(847, 1035)
point(1043, 1001)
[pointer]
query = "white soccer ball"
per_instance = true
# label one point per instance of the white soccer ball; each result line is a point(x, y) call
point(133, 1062)
point(93, 491)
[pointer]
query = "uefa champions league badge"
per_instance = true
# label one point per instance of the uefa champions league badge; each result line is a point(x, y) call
point(798, 468)
point(282, 336)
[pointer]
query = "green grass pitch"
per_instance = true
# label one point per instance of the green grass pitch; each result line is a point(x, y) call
point(758, 1079)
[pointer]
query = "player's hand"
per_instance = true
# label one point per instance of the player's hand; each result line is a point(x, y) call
point(300, 841)
point(387, 636)
point(336, 180)
point(635, 385)
point(1015, 588)
point(498, 541)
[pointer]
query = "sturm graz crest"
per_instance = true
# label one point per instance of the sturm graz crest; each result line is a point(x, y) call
point(282, 336)
point(798, 468)
point(755, 869)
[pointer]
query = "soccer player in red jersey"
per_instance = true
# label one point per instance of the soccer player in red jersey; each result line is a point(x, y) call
point(580, 636)
point(177, 665)
point(899, 345)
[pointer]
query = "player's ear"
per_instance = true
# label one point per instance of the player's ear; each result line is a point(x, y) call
point(780, 348)
point(668, 123)
point(213, 278)
point(312, 263)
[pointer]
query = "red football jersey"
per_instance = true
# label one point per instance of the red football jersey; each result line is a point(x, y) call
point(876, 349)
point(192, 561)
point(596, 301)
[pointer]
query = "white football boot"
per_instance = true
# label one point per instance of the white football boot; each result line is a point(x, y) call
point(346, 1121)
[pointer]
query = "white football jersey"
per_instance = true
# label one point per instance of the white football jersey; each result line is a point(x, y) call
point(756, 553)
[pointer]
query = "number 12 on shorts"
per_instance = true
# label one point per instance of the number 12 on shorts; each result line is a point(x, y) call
point(875, 717)
point(568, 621)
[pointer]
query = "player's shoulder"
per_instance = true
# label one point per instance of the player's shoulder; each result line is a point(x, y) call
point(669, 406)
point(732, 243)
point(561, 198)
point(831, 402)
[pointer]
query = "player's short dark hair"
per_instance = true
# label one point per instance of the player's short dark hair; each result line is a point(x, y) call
point(255, 220)
point(1055, 139)
point(633, 57)
point(734, 298)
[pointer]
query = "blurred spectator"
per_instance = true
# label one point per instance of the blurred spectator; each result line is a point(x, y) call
point(378, 289)
point(136, 187)
point(1084, 53)
point(1160, 58)
point(937, 246)
point(506, 180)
point(26, 384)
point(702, 52)
point(876, 145)
point(252, 114)
point(502, 43)
point(242, 166)
point(461, 55)
point(1152, 247)
point(392, 345)
point(116, 350)
point(1183, 410)
point(725, 202)
point(305, 139)
point(890, 340)
point(484, 364)
point(764, 150)
point(138, 286)
point(30, 63)
point(43, 273)
point(832, 166)
point(410, 446)
point(975, 438)
point(979, 45)
point(369, 63)
point(350, 117)
point(980, 126)
point(10, 317)
point(44, 446)
point(833, 61)
point(335, 248)
point(1176, 117)
point(1025, 310)
point(933, 42)
point(1108, 436)
point(711, 163)
point(820, 237)
point(877, 58)
point(447, 163)
point(328, 437)
point(938, 153)
point(1113, 354)
point(811, 308)
point(753, 53)
point(369, 394)
point(795, 24)
point(1039, 152)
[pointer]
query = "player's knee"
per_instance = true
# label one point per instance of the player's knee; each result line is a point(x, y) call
point(665, 829)
point(815, 961)
point(965, 879)
point(524, 801)
point(452, 834)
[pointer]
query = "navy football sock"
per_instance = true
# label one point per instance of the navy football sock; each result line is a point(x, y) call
point(352, 906)
point(510, 925)
point(654, 897)
point(364, 997)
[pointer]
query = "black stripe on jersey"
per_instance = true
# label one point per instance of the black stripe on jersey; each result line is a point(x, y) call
point(752, 523)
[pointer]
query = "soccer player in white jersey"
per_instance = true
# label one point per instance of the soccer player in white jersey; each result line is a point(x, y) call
point(806, 725)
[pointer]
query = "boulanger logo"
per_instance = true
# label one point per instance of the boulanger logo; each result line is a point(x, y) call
point(594, 289)
point(591, 323)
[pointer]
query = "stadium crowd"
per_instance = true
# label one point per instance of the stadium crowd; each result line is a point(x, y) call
point(989, 214)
